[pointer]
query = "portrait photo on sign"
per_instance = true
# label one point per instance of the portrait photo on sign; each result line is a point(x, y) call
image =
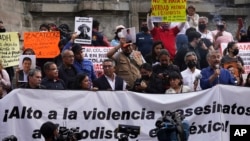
point(27, 61)
point(83, 28)
point(129, 34)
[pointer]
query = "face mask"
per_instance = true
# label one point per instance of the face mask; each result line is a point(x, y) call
point(244, 38)
point(236, 51)
point(202, 27)
point(164, 65)
point(3, 30)
point(145, 77)
point(191, 64)
point(144, 29)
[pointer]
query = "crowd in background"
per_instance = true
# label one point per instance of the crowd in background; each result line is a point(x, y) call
point(166, 58)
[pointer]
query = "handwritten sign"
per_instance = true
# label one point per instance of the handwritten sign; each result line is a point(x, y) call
point(97, 55)
point(168, 10)
point(9, 49)
point(45, 44)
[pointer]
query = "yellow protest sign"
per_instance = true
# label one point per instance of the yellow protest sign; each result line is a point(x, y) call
point(9, 49)
point(168, 10)
point(45, 44)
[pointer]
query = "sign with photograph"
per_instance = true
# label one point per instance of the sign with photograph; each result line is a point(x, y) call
point(83, 27)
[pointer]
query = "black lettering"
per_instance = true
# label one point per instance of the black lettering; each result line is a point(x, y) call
point(72, 115)
point(116, 115)
point(217, 126)
point(52, 115)
point(202, 129)
point(233, 108)
point(5, 115)
point(86, 114)
point(198, 110)
point(36, 134)
point(37, 114)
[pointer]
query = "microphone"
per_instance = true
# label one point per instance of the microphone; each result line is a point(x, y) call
point(217, 66)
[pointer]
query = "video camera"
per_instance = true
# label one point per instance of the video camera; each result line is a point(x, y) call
point(72, 134)
point(171, 127)
point(126, 131)
point(10, 138)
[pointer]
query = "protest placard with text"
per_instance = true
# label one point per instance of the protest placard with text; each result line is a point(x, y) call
point(45, 44)
point(9, 49)
point(168, 10)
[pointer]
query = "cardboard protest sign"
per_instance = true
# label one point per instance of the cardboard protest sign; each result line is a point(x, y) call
point(96, 55)
point(83, 27)
point(168, 10)
point(32, 58)
point(45, 44)
point(9, 49)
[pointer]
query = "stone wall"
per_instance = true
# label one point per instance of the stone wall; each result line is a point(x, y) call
point(27, 16)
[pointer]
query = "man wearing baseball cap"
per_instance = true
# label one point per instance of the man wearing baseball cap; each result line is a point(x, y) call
point(127, 62)
point(49, 130)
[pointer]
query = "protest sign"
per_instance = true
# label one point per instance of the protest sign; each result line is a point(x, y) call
point(9, 49)
point(32, 58)
point(83, 27)
point(96, 55)
point(168, 10)
point(45, 44)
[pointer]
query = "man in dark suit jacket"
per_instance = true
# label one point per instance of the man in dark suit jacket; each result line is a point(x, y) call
point(109, 81)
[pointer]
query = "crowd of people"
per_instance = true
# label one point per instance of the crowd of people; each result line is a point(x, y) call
point(166, 58)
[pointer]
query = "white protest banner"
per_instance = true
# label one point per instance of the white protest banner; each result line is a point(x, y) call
point(244, 53)
point(97, 114)
point(83, 27)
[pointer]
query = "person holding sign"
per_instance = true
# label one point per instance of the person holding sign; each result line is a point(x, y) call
point(164, 33)
point(192, 17)
point(4, 81)
point(231, 58)
point(34, 80)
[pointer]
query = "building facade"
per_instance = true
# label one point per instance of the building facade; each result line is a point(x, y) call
point(27, 15)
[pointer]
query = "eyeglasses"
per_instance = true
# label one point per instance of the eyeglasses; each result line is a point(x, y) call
point(53, 69)
point(191, 60)
point(107, 66)
point(70, 56)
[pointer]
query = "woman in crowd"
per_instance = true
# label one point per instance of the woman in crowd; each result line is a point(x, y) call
point(116, 41)
point(83, 82)
point(176, 84)
point(192, 17)
point(231, 58)
point(5, 84)
point(153, 57)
